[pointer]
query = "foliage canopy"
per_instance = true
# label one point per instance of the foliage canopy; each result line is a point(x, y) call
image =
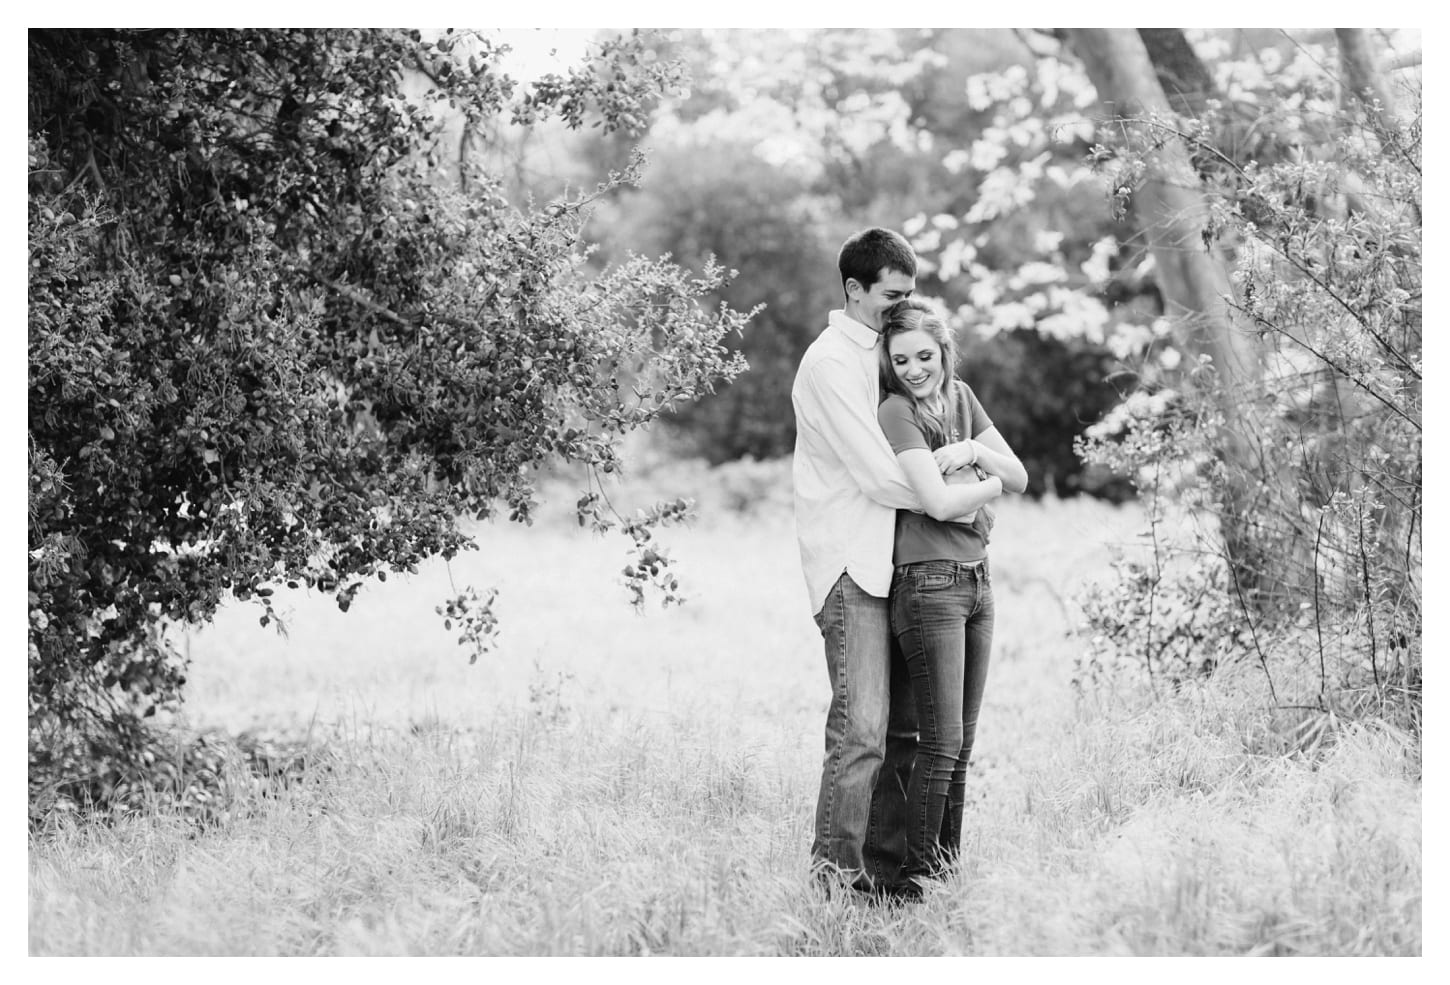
point(267, 345)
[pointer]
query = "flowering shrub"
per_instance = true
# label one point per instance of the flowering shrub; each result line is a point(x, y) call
point(1325, 247)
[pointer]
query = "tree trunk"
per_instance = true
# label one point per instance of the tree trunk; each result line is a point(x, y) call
point(1171, 208)
point(1364, 85)
point(1171, 211)
point(1184, 78)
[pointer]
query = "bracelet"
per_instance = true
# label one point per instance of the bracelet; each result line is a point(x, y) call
point(975, 456)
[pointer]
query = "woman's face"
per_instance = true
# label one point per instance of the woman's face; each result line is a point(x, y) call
point(916, 360)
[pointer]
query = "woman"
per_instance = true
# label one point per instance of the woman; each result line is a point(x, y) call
point(941, 594)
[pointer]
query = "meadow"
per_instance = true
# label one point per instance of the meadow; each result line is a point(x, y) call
point(617, 783)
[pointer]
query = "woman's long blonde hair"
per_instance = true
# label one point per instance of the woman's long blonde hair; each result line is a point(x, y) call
point(907, 316)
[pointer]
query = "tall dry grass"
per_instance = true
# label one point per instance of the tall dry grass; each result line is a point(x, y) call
point(613, 783)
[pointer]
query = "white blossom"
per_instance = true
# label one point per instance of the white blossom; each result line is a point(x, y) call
point(1096, 267)
point(1078, 316)
point(957, 161)
point(1129, 339)
point(1001, 191)
point(957, 255)
point(1036, 272)
point(1047, 241)
point(986, 154)
point(1013, 314)
point(927, 241)
point(983, 293)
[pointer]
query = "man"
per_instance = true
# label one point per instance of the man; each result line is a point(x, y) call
point(848, 487)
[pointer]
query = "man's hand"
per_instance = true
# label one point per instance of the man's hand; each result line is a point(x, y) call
point(956, 456)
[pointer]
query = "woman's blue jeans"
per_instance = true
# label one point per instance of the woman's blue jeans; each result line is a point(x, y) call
point(942, 616)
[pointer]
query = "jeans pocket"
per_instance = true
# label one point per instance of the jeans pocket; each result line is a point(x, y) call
point(932, 581)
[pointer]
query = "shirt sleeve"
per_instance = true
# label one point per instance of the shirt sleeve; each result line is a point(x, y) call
point(845, 420)
point(899, 425)
point(977, 414)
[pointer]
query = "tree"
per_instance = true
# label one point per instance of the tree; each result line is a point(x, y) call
point(1310, 463)
point(718, 199)
point(267, 346)
point(1184, 78)
point(1171, 212)
point(1364, 84)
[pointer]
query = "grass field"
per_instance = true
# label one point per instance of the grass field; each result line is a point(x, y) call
point(609, 783)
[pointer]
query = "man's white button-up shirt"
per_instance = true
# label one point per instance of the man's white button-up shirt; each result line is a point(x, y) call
point(848, 485)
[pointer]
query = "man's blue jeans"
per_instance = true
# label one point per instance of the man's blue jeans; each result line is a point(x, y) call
point(870, 741)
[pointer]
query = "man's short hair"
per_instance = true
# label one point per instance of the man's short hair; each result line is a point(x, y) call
point(866, 253)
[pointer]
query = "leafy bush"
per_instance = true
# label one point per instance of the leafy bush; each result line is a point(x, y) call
point(1175, 627)
point(203, 777)
point(1327, 275)
point(267, 345)
point(721, 201)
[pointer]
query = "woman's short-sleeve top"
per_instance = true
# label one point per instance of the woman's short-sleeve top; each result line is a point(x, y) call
point(918, 536)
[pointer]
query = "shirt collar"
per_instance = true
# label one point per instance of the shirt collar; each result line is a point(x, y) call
point(863, 335)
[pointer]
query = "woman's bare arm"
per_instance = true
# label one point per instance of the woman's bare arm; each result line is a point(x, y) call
point(990, 452)
point(940, 500)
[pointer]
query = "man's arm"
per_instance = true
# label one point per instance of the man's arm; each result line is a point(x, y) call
point(849, 427)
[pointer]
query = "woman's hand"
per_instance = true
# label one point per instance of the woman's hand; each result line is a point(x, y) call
point(955, 456)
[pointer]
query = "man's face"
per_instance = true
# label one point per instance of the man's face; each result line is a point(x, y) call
point(891, 286)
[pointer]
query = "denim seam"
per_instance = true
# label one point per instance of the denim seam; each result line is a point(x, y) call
point(838, 594)
point(920, 822)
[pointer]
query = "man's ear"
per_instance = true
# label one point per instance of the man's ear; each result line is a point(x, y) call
point(853, 282)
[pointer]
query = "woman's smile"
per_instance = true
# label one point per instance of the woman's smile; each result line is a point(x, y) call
point(916, 360)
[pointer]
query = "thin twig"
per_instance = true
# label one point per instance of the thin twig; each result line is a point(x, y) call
point(1253, 633)
point(1157, 576)
point(1368, 604)
point(1318, 622)
point(363, 301)
point(1323, 285)
point(1265, 323)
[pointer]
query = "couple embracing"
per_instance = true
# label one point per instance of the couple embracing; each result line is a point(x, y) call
point(893, 514)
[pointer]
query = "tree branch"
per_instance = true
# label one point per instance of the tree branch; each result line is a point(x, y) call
point(362, 300)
